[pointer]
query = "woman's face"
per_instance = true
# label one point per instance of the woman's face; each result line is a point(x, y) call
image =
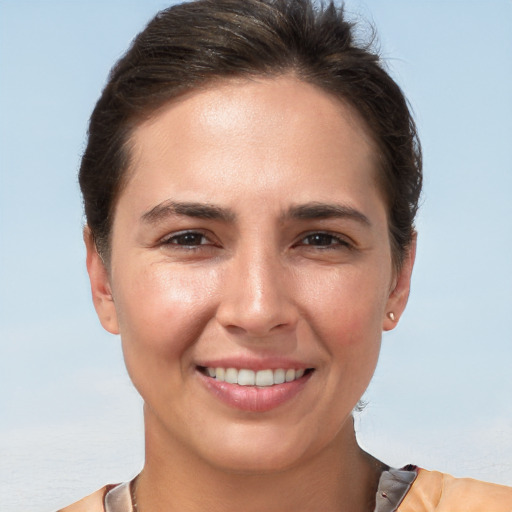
point(250, 245)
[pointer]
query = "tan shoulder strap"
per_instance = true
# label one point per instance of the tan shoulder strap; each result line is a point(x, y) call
point(433, 491)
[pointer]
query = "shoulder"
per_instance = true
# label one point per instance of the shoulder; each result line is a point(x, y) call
point(433, 491)
point(92, 503)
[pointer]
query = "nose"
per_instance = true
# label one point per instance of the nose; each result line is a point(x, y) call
point(257, 296)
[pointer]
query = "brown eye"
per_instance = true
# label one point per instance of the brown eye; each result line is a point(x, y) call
point(187, 239)
point(323, 240)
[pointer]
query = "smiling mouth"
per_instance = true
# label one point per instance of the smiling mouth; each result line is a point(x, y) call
point(260, 378)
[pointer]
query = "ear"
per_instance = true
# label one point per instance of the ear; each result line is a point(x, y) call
point(100, 285)
point(400, 293)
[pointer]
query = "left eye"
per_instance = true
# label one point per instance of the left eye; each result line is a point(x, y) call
point(322, 240)
point(188, 239)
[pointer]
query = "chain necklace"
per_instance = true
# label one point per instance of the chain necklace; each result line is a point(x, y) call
point(133, 484)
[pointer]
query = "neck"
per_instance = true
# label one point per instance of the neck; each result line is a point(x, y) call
point(341, 477)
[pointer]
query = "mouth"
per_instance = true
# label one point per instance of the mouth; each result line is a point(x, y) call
point(254, 390)
point(260, 378)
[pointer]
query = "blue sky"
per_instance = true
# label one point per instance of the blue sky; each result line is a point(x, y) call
point(69, 418)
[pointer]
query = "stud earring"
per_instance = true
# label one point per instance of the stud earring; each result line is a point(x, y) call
point(391, 316)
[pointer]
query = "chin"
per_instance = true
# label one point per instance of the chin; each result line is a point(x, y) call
point(262, 450)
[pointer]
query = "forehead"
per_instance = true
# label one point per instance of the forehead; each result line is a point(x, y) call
point(258, 132)
point(239, 102)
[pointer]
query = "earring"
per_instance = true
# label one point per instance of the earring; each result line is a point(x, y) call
point(391, 316)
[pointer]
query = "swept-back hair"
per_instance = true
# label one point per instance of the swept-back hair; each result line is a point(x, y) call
point(190, 45)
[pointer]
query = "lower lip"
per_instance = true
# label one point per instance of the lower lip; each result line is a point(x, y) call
point(253, 398)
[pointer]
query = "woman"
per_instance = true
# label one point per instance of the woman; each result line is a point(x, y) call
point(250, 185)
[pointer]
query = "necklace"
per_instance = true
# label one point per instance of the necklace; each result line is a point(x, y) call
point(133, 484)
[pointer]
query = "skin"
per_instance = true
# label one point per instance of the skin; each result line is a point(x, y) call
point(260, 281)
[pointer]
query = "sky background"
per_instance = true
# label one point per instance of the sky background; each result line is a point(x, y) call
point(70, 420)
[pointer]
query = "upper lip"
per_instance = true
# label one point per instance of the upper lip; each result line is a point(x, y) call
point(255, 364)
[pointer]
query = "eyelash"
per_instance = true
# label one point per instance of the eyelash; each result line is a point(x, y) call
point(339, 242)
point(175, 237)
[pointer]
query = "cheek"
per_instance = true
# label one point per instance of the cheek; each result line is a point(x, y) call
point(162, 310)
point(347, 320)
point(347, 304)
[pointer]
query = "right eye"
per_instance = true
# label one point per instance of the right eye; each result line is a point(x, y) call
point(187, 239)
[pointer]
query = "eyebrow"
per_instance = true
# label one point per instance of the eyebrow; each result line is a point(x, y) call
point(172, 208)
point(326, 211)
point(306, 211)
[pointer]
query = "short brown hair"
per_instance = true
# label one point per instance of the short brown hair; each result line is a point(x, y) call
point(189, 45)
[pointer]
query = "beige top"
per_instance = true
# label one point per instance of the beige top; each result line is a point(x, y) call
point(430, 491)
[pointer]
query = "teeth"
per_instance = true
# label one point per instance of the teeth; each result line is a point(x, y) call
point(279, 376)
point(261, 378)
point(231, 376)
point(246, 378)
point(265, 378)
